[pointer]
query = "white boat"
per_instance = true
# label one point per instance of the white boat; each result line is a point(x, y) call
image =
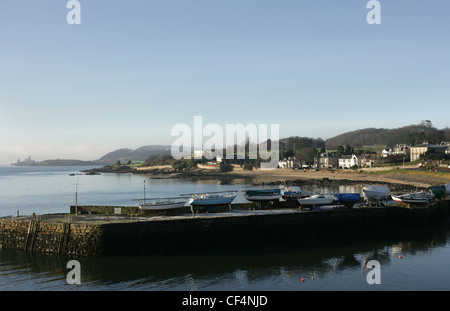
point(162, 204)
point(317, 199)
point(263, 195)
point(212, 199)
point(414, 198)
point(372, 193)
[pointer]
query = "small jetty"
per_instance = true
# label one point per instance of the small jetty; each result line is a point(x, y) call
point(124, 230)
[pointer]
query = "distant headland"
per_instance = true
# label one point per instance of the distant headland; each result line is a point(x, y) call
point(59, 162)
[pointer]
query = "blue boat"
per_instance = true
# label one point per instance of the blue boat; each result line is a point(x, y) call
point(348, 199)
point(294, 193)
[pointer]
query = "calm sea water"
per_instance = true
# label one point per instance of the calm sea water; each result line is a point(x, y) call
point(424, 262)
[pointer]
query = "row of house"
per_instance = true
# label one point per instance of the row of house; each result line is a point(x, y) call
point(403, 149)
point(416, 151)
point(330, 160)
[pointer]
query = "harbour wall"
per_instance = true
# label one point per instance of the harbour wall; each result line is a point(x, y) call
point(51, 237)
point(224, 233)
point(135, 210)
point(106, 210)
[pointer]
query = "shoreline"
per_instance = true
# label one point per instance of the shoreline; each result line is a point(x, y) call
point(395, 178)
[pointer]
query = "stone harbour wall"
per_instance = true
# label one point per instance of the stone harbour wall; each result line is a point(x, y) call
point(46, 237)
point(123, 236)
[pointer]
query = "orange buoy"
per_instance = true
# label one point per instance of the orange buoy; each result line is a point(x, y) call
point(400, 257)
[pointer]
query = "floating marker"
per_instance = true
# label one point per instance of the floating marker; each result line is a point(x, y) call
point(312, 278)
point(303, 280)
point(400, 257)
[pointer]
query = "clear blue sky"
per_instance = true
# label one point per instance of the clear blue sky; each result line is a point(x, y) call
point(133, 69)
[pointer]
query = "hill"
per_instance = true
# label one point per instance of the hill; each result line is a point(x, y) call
point(123, 155)
point(140, 154)
point(411, 135)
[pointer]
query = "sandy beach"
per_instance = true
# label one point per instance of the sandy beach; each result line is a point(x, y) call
point(392, 177)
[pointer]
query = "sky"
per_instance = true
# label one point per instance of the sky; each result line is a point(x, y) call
point(132, 70)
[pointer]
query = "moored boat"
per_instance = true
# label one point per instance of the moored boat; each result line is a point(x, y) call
point(161, 205)
point(372, 193)
point(420, 197)
point(294, 193)
point(263, 195)
point(317, 199)
point(212, 199)
point(348, 199)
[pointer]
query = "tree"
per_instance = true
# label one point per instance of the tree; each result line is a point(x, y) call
point(248, 166)
point(348, 149)
point(224, 167)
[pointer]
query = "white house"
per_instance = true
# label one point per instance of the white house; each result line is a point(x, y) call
point(386, 152)
point(288, 163)
point(401, 149)
point(348, 161)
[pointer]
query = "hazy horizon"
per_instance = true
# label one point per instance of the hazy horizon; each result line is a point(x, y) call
point(169, 145)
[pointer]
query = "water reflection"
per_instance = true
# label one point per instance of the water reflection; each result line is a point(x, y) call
point(271, 271)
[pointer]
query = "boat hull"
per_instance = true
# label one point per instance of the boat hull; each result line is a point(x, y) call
point(162, 206)
point(211, 201)
point(294, 195)
point(263, 195)
point(316, 200)
point(376, 192)
point(413, 198)
point(348, 199)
